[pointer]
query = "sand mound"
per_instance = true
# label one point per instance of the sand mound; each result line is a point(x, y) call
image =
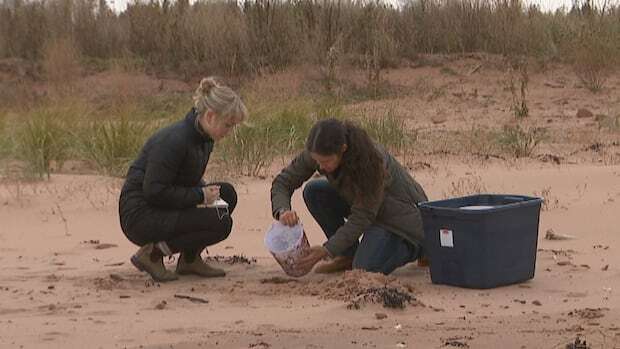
point(356, 282)
point(356, 288)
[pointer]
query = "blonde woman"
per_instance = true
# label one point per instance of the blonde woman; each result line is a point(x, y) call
point(165, 207)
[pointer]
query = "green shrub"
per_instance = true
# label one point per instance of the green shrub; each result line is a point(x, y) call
point(520, 142)
point(251, 148)
point(41, 140)
point(389, 131)
point(113, 144)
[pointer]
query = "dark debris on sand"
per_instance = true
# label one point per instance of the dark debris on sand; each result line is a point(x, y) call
point(578, 344)
point(390, 297)
point(236, 259)
point(277, 280)
point(457, 342)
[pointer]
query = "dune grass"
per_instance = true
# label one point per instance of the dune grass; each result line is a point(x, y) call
point(6, 141)
point(110, 139)
point(112, 144)
point(42, 140)
point(280, 133)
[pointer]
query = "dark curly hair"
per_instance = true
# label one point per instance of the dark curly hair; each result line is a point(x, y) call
point(362, 167)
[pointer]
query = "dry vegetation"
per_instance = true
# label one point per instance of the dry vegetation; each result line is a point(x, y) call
point(255, 36)
point(53, 111)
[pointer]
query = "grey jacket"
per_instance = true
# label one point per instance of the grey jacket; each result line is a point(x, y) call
point(396, 211)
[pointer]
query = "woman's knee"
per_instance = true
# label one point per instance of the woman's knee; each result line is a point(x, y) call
point(367, 265)
point(312, 191)
point(136, 239)
point(381, 251)
point(225, 228)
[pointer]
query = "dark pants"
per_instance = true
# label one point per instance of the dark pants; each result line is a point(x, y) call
point(195, 228)
point(378, 251)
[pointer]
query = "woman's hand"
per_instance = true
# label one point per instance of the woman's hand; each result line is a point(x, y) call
point(211, 193)
point(316, 254)
point(289, 217)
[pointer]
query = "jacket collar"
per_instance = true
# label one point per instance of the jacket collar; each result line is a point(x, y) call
point(192, 119)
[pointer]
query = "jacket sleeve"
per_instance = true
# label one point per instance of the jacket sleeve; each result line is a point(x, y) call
point(361, 218)
point(163, 161)
point(289, 179)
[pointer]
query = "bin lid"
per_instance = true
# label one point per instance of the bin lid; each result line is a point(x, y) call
point(479, 203)
point(477, 207)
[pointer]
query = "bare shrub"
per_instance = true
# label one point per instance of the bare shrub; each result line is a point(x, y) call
point(550, 201)
point(228, 37)
point(593, 48)
point(518, 80)
point(480, 141)
point(612, 123)
point(61, 63)
point(592, 64)
point(465, 186)
point(220, 43)
point(274, 36)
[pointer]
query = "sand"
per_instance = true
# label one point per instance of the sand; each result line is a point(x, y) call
point(66, 280)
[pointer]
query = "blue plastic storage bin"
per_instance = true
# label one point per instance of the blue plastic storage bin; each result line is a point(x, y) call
point(481, 241)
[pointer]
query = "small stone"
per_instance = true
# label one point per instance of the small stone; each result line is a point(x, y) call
point(605, 268)
point(536, 302)
point(551, 235)
point(381, 316)
point(116, 277)
point(161, 305)
point(584, 113)
point(439, 119)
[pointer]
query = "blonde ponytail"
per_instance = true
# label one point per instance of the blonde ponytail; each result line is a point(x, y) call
point(221, 99)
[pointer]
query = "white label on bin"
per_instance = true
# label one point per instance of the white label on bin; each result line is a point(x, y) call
point(445, 238)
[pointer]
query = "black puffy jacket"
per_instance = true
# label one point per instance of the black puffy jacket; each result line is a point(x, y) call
point(167, 175)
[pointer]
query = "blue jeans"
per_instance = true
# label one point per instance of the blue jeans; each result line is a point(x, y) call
point(379, 250)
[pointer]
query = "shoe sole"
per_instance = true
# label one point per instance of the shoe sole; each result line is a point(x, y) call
point(322, 269)
point(204, 276)
point(333, 271)
point(136, 263)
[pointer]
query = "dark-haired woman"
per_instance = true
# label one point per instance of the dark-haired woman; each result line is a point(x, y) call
point(365, 193)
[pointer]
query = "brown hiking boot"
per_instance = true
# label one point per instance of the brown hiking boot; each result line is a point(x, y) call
point(338, 264)
point(151, 260)
point(198, 267)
